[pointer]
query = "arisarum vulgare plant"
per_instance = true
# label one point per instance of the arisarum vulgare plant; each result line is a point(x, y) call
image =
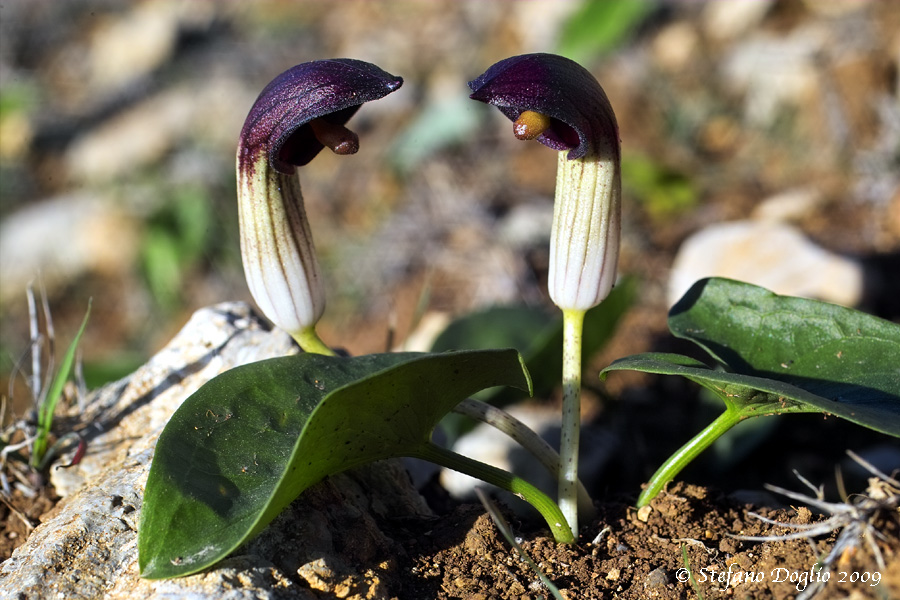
point(299, 113)
point(249, 441)
point(559, 103)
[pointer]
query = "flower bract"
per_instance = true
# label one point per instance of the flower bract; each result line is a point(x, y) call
point(300, 112)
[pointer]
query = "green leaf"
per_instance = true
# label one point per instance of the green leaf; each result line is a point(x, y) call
point(162, 266)
point(537, 335)
point(54, 393)
point(663, 192)
point(783, 354)
point(251, 440)
point(520, 327)
point(751, 396)
point(835, 353)
point(600, 26)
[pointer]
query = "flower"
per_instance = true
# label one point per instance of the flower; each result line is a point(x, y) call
point(560, 104)
point(300, 112)
point(557, 102)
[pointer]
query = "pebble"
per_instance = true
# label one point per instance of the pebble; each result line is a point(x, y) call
point(790, 205)
point(676, 46)
point(643, 513)
point(656, 578)
point(126, 47)
point(727, 20)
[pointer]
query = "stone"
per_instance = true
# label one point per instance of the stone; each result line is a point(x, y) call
point(790, 205)
point(87, 547)
point(657, 578)
point(63, 237)
point(724, 21)
point(773, 255)
point(147, 132)
point(675, 46)
point(775, 72)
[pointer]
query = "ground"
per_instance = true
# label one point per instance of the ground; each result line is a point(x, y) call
point(640, 556)
point(424, 232)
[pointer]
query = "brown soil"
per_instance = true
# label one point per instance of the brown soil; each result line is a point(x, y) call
point(641, 556)
point(733, 166)
point(20, 514)
point(624, 553)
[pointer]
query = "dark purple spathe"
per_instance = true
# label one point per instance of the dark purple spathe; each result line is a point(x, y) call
point(583, 119)
point(330, 89)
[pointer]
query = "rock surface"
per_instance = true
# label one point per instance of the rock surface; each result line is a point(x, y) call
point(87, 547)
point(773, 255)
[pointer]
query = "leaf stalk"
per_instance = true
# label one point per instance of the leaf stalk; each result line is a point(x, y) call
point(504, 480)
point(680, 459)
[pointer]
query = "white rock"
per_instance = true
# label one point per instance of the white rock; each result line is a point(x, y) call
point(527, 225)
point(212, 110)
point(88, 549)
point(675, 46)
point(790, 205)
point(124, 48)
point(775, 72)
point(133, 41)
point(727, 20)
point(62, 238)
point(773, 255)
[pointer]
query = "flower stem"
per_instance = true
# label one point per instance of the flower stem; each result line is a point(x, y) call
point(680, 459)
point(502, 479)
point(525, 437)
point(311, 343)
point(573, 323)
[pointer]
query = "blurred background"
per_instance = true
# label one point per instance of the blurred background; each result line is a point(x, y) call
point(119, 122)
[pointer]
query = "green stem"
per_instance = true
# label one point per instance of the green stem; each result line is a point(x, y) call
point(526, 437)
point(675, 463)
point(573, 323)
point(504, 480)
point(311, 343)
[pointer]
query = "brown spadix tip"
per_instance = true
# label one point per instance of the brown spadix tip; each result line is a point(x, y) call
point(336, 137)
point(530, 125)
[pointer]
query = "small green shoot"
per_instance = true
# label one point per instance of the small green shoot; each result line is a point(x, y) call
point(504, 528)
point(39, 454)
point(687, 567)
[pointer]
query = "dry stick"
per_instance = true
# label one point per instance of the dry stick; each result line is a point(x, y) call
point(35, 332)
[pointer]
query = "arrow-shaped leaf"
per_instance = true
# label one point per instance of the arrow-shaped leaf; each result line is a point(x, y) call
point(753, 396)
point(251, 440)
point(782, 354)
point(835, 353)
